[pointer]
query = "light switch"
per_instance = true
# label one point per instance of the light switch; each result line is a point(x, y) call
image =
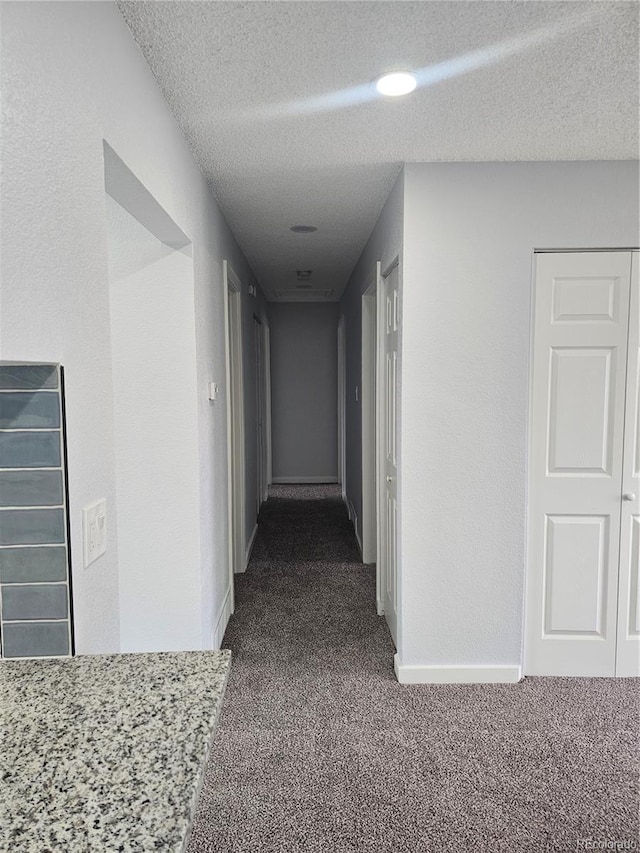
point(94, 530)
point(213, 391)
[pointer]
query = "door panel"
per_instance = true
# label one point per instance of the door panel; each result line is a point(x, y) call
point(576, 573)
point(577, 417)
point(580, 412)
point(628, 653)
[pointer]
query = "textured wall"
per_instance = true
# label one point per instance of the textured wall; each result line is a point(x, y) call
point(304, 375)
point(156, 437)
point(71, 77)
point(469, 234)
point(384, 245)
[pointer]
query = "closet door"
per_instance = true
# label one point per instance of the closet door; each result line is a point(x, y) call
point(628, 652)
point(579, 369)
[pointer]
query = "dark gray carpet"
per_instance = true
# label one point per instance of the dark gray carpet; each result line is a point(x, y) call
point(319, 749)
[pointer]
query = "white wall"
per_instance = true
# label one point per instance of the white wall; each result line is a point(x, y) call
point(156, 437)
point(304, 381)
point(71, 77)
point(470, 230)
point(384, 245)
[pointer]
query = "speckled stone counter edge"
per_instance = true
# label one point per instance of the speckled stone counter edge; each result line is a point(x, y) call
point(203, 765)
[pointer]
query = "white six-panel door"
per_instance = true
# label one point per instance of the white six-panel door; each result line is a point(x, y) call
point(578, 400)
point(628, 649)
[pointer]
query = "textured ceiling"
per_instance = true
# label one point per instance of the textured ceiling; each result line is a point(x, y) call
point(276, 101)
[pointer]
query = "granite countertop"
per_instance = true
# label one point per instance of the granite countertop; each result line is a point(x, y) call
point(105, 752)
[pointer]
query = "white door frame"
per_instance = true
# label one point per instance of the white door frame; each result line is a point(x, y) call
point(342, 461)
point(260, 444)
point(628, 639)
point(235, 420)
point(368, 425)
point(266, 366)
point(381, 439)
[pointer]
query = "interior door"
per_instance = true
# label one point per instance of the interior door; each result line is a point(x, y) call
point(575, 489)
point(628, 650)
point(342, 440)
point(389, 467)
point(259, 416)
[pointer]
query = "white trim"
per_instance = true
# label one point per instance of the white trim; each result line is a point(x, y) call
point(380, 426)
point(368, 421)
point(235, 472)
point(261, 452)
point(456, 674)
point(342, 390)
point(331, 478)
point(249, 548)
point(527, 531)
point(355, 530)
point(267, 403)
point(353, 518)
point(217, 635)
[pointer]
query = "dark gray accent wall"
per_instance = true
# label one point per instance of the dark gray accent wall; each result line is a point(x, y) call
point(304, 382)
point(35, 618)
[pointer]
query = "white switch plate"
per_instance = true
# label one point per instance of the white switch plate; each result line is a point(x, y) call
point(94, 530)
point(213, 391)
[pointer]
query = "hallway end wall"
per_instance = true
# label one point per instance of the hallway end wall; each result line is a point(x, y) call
point(304, 392)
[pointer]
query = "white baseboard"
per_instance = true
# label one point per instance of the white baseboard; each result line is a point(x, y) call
point(299, 481)
point(220, 625)
point(440, 674)
point(247, 553)
point(353, 518)
point(358, 540)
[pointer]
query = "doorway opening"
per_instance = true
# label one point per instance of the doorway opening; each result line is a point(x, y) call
point(153, 359)
point(342, 388)
point(235, 421)
point(263, 410)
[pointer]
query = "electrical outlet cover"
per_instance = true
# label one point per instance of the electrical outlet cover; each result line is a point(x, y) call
point(94, 530)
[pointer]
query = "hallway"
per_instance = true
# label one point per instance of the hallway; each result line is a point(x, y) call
point(320, 750)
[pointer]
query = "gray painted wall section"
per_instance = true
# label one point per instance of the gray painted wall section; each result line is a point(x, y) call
point(470, 231)
point(304, 381)
point(384, 245)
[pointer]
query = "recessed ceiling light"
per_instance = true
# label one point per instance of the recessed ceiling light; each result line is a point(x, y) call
point(303, 229)
point(396, 83)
